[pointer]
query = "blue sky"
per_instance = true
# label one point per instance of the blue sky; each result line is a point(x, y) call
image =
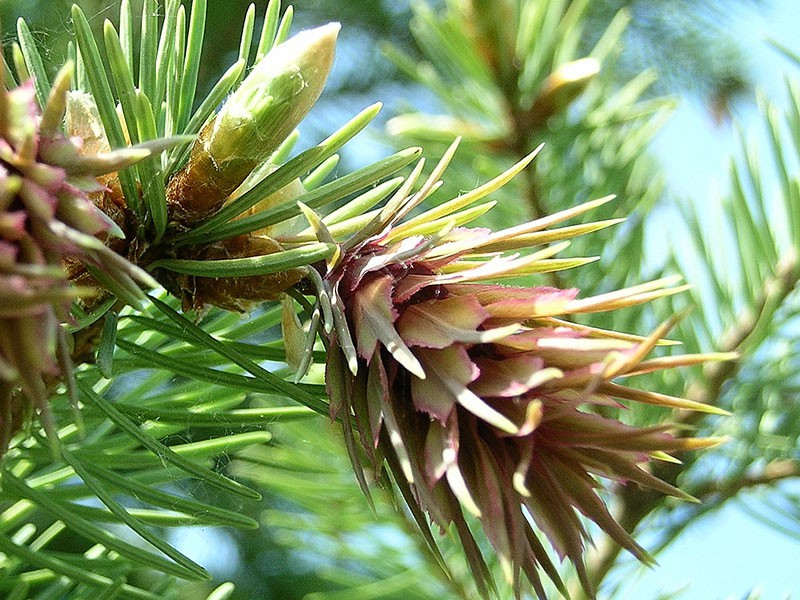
point(728, 553)
point(725, 556)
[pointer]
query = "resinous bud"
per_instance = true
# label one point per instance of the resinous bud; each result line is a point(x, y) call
point(253, 122)
point(238, 294)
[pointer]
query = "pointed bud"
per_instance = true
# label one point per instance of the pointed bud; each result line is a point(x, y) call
point(561, 87)
point(264, 110)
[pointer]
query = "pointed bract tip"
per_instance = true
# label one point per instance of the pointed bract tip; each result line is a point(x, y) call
point(706, 442)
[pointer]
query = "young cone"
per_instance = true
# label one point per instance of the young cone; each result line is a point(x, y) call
point(47, 222)
point(484, 399)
